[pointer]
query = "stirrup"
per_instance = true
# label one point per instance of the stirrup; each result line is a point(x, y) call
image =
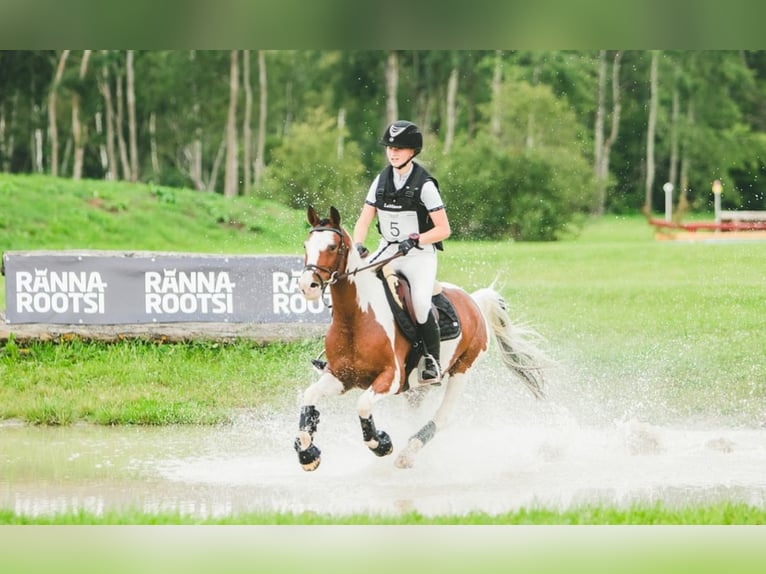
point(319, 364)
point(431, 373)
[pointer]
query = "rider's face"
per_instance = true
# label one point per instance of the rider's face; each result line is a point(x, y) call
point(399, 155)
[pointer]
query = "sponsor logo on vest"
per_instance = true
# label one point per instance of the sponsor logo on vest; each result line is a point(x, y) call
point(189, 292)
point(288, 299)
point(391, 206)
point(60, 292)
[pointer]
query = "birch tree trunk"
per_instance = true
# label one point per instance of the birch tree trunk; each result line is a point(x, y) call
point(497, 84)
point(231, 177)
point(262, 101)
point(605, 146)
point(120, 119)
point(650, 128)
point(132, 129)
point(246, 129)
point(674, 120)
point(531, 123)
point(153, 145)
point(598, 128)
point(5, 163)
point(79, 131)
point(52, 122)
point(683, 198)
point(7, 138)
point(106, 92)
point(451, 109)
point(392, 87)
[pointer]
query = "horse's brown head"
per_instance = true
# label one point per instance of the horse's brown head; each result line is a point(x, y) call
point(325, 253)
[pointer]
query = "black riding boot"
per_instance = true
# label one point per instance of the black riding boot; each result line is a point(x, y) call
point(431, 336)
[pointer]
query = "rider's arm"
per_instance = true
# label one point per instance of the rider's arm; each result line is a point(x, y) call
point(441, 229)
point(363, 223)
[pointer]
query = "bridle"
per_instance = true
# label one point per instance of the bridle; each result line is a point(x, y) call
point(335, 275)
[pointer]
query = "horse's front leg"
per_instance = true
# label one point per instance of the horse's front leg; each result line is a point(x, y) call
point(309, 454)
point(379, 442)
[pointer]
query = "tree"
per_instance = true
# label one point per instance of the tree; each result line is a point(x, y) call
point(231, 184)
point(247, 136)
point(79, 130)
point(130, 92)
point(451, 108)
point(392, 87)
point(650, 128)
point(262, 114)
point(603, 146)
point(106, 92)
point(52, 118)
point(305, 168)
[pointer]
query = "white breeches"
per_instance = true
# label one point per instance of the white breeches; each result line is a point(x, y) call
point(419, 267)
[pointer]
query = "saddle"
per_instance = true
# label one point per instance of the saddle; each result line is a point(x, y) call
point(397, 289)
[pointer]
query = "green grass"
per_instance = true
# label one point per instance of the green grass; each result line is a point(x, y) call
point(725, 513)
point(145, 383)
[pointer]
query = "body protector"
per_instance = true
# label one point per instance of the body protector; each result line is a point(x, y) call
point(402, 210)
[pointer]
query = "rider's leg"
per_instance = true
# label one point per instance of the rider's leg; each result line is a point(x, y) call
point(421, 271)
point(431, 336)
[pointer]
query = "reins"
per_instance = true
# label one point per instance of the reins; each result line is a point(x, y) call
point(334, 275)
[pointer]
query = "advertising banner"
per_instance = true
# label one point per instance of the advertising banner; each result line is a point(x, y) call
point(108, 288)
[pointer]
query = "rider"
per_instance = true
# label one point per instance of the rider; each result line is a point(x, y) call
point(412, 221)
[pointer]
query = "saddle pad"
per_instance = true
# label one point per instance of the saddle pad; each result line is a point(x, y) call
point(449, 322)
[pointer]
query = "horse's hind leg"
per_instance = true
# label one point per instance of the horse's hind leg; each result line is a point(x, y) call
point(455, 384)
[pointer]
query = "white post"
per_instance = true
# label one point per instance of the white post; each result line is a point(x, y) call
point(717, 189)
point(668, 189)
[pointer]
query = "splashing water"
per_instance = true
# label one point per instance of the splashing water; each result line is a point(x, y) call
point(502, 451)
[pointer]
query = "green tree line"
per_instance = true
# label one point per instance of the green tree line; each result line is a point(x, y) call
point(525, 144)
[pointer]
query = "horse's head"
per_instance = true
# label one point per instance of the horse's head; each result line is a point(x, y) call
point(326, 253)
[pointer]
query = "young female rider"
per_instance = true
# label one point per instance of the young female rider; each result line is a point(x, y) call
point(412, 221)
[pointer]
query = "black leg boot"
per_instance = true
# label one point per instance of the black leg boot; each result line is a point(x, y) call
point(431, 336)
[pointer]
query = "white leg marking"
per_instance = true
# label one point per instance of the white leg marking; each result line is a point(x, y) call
point(366, 401)
point(326, 385)
point(455, 385)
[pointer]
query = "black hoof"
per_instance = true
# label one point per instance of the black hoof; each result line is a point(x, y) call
point(309, 458)
point(385, 446)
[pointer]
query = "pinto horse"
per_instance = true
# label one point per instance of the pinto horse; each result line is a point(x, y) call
point(366, 348)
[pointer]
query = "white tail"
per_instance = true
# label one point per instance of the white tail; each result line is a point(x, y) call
point(517, 343)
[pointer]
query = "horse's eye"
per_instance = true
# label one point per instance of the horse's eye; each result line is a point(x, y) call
point(333, 247)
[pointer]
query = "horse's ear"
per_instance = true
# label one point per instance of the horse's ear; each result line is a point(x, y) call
point(334, 217)
point(312, 217)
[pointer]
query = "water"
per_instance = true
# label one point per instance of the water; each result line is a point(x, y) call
point(503, 451)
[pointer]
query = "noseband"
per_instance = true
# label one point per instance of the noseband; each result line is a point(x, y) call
point(333, 275)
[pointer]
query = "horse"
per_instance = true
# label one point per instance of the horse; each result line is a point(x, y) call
point(366, 347)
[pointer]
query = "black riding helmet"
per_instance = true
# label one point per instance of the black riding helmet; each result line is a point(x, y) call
point(403, 134)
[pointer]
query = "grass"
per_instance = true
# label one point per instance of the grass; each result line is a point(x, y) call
point(144, 382)
point(725, 513)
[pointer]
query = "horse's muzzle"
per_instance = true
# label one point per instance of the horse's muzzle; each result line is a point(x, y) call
point(310, 285)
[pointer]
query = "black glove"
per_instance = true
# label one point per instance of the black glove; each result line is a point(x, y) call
point(409, 243)
point(362, 250)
